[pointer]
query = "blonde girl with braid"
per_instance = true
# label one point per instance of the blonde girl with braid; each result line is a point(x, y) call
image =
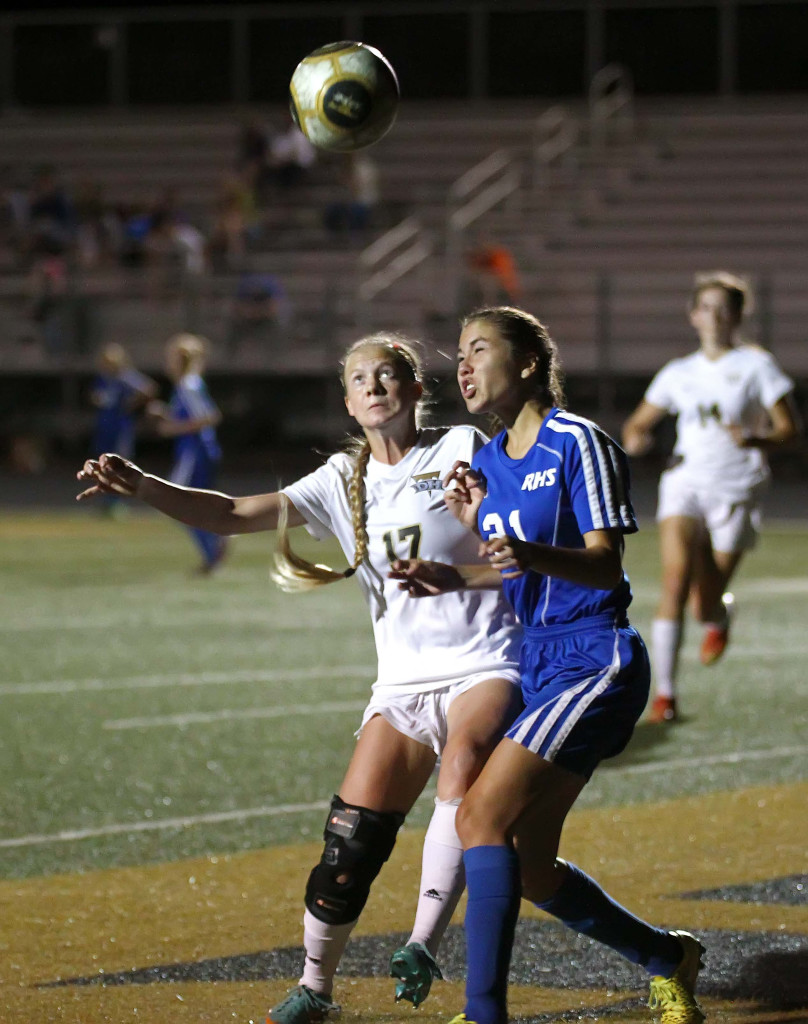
point(447, 678)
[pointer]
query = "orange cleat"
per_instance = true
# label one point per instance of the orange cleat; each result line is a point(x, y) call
point(716, 638)
point(713, 645)
point(663, 709)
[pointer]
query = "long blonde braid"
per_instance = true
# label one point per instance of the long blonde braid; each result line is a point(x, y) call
point(293, 573)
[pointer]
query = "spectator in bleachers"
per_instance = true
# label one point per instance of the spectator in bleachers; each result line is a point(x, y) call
point(97, 229)
point(350, 212)
point(160, 256)
point(52, 216)
point(14, 218)
point(48, 288)
point(168, 205)
point(135, 221)
point(491, 278)
point(251, 156)
point(291, 157)
point(175, 254)
point(234, 223)
point(260, 310)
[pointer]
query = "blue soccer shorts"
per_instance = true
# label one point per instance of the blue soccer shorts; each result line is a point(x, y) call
point(585, 685)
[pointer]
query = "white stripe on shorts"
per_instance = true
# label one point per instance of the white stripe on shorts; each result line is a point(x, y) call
point(561, 704)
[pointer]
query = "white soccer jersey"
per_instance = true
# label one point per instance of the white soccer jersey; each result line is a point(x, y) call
point(421, 643)
point(707, 395)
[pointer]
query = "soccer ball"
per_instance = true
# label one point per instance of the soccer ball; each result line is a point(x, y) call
point(344, 96)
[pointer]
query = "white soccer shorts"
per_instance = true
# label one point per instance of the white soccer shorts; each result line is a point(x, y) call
point(424, 716)
point(732, 521)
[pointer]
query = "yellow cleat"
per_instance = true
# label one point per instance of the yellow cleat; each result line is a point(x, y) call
point(674, 998)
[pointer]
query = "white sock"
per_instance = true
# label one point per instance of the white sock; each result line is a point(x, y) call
point(443, 876)
point(324, 945)
point(666, 639)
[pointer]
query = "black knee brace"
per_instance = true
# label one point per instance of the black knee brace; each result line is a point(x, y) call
point(357, 843)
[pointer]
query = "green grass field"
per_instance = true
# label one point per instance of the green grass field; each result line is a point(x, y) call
point(169, 745)
point(150, 715)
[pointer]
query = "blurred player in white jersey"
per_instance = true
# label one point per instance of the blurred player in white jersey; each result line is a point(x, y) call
point(733, 404)
point(448, 679)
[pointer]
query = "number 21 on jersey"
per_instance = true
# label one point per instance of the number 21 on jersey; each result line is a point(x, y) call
point(494, 527)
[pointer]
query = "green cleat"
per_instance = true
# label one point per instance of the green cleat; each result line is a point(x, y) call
point(674, 998)
point(461, 1018)
point(302, 1006)
point(416, 969)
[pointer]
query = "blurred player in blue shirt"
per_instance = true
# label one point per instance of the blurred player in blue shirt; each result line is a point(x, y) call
point(549, 498)
point(118, 392)
point(191, 418)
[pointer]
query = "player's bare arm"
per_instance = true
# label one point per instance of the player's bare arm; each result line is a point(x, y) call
point(638, 430)
point(201, 509)
point(599, 564)
point(423, 578)
point(784, 427)
point(168, 426)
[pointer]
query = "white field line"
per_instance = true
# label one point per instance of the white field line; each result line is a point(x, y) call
point(152, 682)
point(69, 835)
point(13, 620)
point(59, 686)
point(234, 714)
point(733, 757)
point(127, 620)
point(278, 809)
point(769, 586)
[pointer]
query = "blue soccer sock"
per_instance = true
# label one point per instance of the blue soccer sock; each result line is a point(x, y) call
point(209, 544)
point(582, 905)
point(494, 892)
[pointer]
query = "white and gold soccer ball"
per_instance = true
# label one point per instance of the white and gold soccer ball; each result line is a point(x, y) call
point(344, 96)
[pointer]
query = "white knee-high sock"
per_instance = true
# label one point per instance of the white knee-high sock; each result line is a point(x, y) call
point(324, 945)
point(443, 877)
point(666, 639)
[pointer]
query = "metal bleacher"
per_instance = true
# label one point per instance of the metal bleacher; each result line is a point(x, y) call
point(608, 230)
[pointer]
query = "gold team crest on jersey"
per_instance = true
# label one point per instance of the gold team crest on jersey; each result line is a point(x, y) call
point(427, 482)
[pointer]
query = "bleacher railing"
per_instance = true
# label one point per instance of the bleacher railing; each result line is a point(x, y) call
point(556, 134)
point(611, 106)
point(385, 261)
point(494, 180)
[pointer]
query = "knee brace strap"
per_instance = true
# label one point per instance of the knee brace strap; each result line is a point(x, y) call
point(357, 843)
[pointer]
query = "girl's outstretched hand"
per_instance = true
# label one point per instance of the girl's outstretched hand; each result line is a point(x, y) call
point(109, 474)
point(421, 578)
point(463, 493)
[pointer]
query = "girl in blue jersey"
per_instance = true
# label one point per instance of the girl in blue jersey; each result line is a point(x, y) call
point(191, 418)
point(548, 497)
point(117, 393)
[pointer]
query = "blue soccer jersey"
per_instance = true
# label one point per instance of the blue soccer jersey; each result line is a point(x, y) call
point(574, 479)
point(191, 400)
point(115, 421)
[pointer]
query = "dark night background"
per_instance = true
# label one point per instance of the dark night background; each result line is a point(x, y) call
point(531, 49)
